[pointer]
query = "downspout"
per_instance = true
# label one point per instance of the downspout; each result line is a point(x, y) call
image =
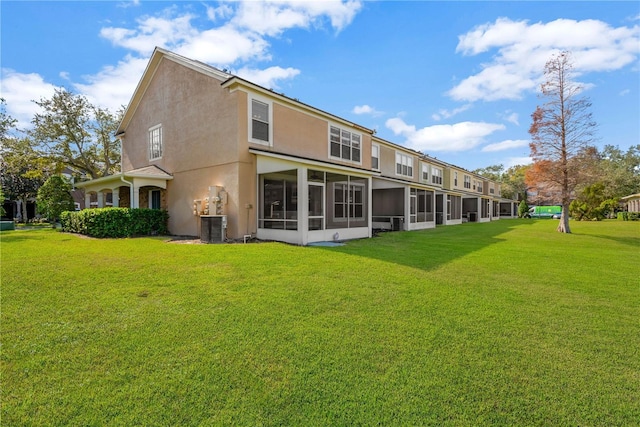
point(120, 136)
point(130, 190)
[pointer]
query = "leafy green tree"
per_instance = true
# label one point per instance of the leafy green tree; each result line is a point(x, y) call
point(493, 172)
point(73, 132)
point(23, 169)
point(561, 129)
point(523, 208)
point(54, 197)
point(588, 204)
point(619, 171)
point(512, 181)
point(2, 211)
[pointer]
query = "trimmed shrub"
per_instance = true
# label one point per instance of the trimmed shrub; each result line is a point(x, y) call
point(116, 222)
point(629, 216)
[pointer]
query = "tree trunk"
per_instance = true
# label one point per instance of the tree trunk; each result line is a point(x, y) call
point(563, 225)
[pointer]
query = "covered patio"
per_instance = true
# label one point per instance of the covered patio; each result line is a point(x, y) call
point(144, 187)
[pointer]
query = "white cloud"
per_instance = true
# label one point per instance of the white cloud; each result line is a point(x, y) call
point(517, 161)
point(446, 114)
point(166, 30)
point(511, 117)
point(20, 90)
point(271, 18)
point(457, 137)
point(366, 109)
point(241, 38)
point(524, 48)
point(113, 86)
point(505, 145)
point(624, 92)
point(269, 76)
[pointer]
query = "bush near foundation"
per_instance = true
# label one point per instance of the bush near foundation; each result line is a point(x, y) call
point(629, 216)
point(115, 222)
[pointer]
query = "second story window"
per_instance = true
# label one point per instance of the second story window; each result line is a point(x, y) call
point(344, 145)
point(455, 179)
point(425, 172)
point(436, 176)
point(259, 121)
point(467, 181)
point(375, 157)
point(404, 165)
point(155, 142)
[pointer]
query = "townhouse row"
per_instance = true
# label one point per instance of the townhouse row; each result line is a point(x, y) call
point(203, 143)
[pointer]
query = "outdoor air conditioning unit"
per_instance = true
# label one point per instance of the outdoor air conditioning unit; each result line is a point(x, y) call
point(213, 228)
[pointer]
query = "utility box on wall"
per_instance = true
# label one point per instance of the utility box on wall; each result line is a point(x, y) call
point(213, 228)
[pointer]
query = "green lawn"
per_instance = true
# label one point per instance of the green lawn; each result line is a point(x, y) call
point(503, 323)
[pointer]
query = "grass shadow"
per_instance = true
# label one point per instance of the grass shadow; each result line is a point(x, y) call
point(431, 248)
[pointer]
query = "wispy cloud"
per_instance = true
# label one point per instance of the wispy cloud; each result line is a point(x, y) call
point(236, 35)
point(517, 161)
point(523, 49)
point(366, 110)
point(446, 114)
point(457, 137)
point(20, 90)
point(505, 145)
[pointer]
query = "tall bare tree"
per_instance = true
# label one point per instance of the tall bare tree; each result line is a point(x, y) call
point(561, 129)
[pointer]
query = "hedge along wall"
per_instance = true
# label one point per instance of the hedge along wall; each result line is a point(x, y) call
point(116, 222)
point(629, 216)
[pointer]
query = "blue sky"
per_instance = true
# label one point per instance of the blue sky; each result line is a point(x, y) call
point(455, 80)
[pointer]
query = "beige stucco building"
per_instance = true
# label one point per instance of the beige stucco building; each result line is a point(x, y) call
point(199, 142)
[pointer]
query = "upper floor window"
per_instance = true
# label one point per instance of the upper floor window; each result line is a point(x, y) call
point(375, 156)
point(155, 142)
point(467, 181)
point(404, 165)
point(260, 120)
point(425, 172)
point(436, 176)
point(455, 179)
point(344, 145)
point(479, 185)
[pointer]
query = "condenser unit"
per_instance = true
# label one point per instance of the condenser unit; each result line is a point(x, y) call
point(213, 228)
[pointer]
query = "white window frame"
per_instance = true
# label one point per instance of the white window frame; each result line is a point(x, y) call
point(347, 188)
point(155, 147)
point(375, 147)
point(404, 161)
point(436, 175)
point(269, 105)
point(150, 197)
point(467, 182)
point(455, 179)
point(424, 170)
point(353, 137)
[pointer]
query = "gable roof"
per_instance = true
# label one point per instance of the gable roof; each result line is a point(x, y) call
point(157, 56)
point(226, 80)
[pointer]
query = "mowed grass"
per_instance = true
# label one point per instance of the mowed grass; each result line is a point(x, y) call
point(503, 323)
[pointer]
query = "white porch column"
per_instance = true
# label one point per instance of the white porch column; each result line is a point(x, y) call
point(87, 200)
point(445, 206)
point(100, 199)
point(115, 197)
point(407, 208)
point(303, 205)
point(135, 197)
